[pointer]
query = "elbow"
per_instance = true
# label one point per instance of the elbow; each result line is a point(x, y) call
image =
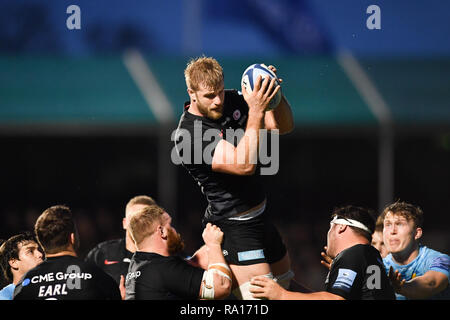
point(288, 129)
point(248, 170)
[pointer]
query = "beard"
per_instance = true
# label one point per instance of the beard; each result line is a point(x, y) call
point(174, 242)
point(214, 114)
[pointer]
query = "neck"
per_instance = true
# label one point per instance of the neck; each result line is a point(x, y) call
point(153, 246)
point(129, 243)
point(17, 277)
point(61, 253)
point(352, 241)
point(194, 109)
point(406, 256)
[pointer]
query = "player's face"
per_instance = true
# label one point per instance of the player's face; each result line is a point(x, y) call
point(210, 101)
point(331, 241)
point(378, 243)
point(399, 233)
point(175, 243)
point(29, 256)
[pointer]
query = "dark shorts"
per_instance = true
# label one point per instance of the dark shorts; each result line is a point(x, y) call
point(250, 242)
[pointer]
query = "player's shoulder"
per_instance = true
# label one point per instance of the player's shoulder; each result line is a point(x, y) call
point(430, 258)
point(7, 292)
point(356, 256)
point(115, 244)
point(358, 249)
point(429, 253)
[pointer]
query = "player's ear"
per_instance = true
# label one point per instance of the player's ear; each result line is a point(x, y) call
point(342, 228)
point(124, 223)
point(191, 93)
point(162, 232)
point(418, 234)
point(13, 263)
point(72, 239)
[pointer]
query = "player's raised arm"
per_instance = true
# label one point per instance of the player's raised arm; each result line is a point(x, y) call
point(281, 117)
point(242, 159)
point(217, 279)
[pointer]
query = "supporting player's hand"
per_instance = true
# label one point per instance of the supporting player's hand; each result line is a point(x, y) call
point(396, 279)
point(263, 91)
point(326, 259)
point(122, 287)
point(263, 287)
point(212, 235)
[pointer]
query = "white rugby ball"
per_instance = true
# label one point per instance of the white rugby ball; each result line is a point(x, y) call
point(250, 76)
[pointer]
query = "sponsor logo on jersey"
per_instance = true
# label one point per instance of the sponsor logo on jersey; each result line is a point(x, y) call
point(107, 262)
point(345, 279)
point(236, 114)
point(251, 255)
point(133, 275)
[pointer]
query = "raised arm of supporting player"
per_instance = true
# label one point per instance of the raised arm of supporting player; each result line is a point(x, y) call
point(217, 280)
point(242, 159)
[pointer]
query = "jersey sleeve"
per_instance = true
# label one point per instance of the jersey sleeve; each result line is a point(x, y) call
point(94, 256)
point(345, 275)
point(182, 279)
point(441, 264)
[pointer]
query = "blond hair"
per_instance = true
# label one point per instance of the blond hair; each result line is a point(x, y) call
point(142, 199)
point(143, 223)
point(203, 71)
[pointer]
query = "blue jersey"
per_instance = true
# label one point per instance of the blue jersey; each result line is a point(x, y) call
point(427, 260)
point(7, 292)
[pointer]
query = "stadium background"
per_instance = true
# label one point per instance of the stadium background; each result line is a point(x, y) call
point(86, 115)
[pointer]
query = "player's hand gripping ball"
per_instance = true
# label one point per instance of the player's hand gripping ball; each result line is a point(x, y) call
point(250, 76)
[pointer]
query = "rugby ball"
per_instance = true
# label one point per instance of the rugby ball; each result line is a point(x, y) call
point(250, 76)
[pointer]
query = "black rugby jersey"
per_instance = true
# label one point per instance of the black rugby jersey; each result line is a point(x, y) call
point(357, 273)
point(112, 257)
point(66, 278)
point(226, 194)
point(155, 277)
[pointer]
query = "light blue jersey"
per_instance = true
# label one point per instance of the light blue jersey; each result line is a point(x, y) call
point(7, 292)
point(427, 260)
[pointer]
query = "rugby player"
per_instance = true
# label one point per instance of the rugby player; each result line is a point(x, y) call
point(18, 255)
point(157, 273)
point(236, 199)
point(416, 271)
point(357, 271)
point(63, 276)
point(377, 237)
point(114, 256)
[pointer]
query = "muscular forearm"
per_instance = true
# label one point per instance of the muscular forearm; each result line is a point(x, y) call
point(421, 288)
point(214, 253)
point(247, 148)
point(280, 118)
